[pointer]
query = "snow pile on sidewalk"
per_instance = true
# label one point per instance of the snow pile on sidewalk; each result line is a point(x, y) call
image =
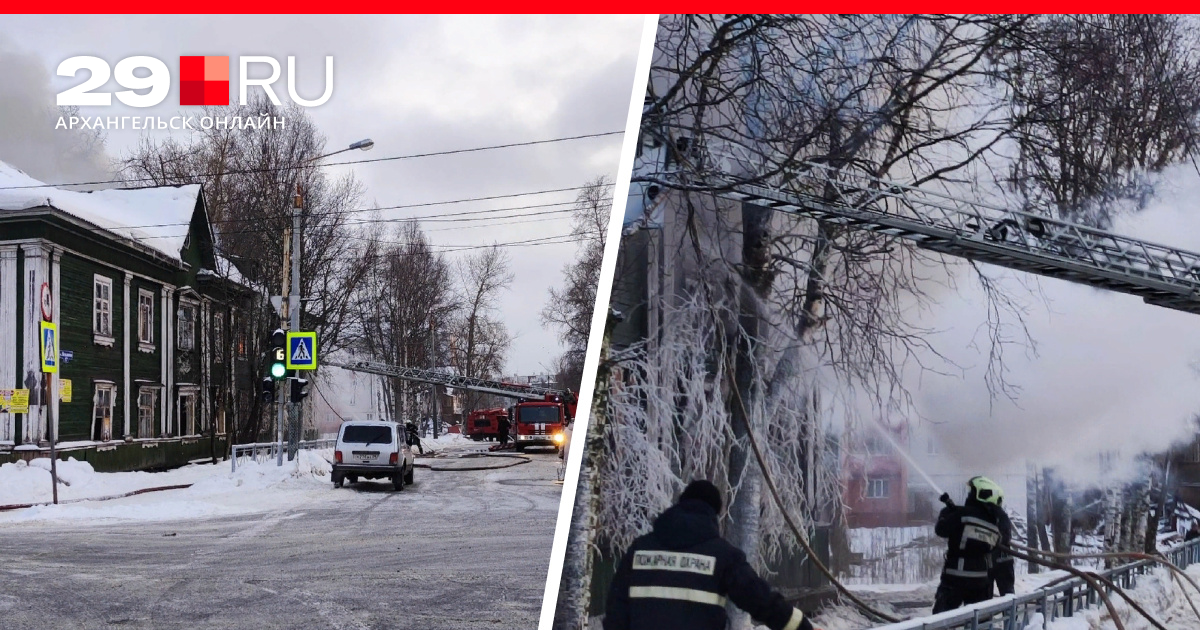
point(1157, 592)
point(215, 490)
point(449, 439)
point(22, 483)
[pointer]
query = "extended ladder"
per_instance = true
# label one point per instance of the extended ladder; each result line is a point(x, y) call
point(434, 377)
point(1160, 275)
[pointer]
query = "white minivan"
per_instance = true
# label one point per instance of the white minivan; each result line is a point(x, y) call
point(368, 449)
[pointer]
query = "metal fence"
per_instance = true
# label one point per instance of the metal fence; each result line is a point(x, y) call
point(1015, 612)
point(263, 452)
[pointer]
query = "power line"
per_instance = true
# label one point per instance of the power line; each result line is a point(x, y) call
point(425, 204)
point(293, 167)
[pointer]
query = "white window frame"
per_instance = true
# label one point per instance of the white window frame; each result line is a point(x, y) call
point(145, 320)
point(143, 422)
point(185, 341)
point(101, 387)
point(102, 311)
point(878, 487)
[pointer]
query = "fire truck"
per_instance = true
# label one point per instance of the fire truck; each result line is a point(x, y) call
point(540, 416)
point(484, 424)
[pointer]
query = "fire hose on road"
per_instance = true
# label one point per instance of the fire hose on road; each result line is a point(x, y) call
point(519, 459)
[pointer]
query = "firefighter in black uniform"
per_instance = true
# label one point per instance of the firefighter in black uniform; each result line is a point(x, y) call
point(679, 576)
point(975, 531)
point(1003, 573)
point(503, 427)
point(413, 437)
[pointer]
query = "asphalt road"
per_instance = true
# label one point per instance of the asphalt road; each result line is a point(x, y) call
point(455, 550)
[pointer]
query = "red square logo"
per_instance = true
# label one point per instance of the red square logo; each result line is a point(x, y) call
point(204, 80)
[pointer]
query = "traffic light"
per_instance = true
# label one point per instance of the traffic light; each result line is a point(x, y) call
point(268, 390)
point(299, 388)
point(277, 356)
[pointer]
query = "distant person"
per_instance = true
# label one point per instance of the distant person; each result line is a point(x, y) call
point(679, 576)
point(502, 427)
point(414, 438)
point(974, 531)
point(1193, 533)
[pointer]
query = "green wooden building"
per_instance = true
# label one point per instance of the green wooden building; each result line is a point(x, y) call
point(148, 319)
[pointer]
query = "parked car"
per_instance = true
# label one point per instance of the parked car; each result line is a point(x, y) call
point(369, 449)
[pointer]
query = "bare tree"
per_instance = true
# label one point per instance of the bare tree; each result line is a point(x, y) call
point(407, 301)
point(481, 340)
point(1100, 101)
point(570, 308)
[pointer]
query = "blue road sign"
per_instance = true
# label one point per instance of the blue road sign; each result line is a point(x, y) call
point(302, 351)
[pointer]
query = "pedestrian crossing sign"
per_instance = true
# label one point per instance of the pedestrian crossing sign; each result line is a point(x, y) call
point(302, 351)
point(49, 347)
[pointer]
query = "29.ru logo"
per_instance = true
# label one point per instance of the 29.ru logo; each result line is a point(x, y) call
point(203, 81)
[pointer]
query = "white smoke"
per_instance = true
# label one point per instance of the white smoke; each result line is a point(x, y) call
point(28, 139)
point(1109, 373)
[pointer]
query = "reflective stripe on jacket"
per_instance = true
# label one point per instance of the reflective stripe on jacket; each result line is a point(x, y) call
point(682, 574)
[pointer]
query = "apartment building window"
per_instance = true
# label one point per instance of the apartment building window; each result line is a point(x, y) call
point(187, 327)
point(102, 407)
point(145, 320)
point(878, 487)
point(102, 309)
point(147, 403)
point(187, 412)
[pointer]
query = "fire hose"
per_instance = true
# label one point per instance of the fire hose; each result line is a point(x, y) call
point(520, 459)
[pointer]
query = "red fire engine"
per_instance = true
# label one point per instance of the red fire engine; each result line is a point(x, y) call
point(484, 424)
point(539, 418)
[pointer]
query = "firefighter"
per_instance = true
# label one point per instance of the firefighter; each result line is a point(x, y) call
point(681, 574)
point(502, 426)
point(1003, 572)
point(974, 531)
point(414, 439)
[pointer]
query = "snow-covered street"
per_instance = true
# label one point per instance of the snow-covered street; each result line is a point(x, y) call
point(281, 548)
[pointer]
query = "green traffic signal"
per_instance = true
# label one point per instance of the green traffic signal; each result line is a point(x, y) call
point(278, 370)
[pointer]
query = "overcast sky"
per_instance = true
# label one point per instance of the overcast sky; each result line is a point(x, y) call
point(412, 84)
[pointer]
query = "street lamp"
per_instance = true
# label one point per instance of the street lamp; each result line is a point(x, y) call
point(363, 145)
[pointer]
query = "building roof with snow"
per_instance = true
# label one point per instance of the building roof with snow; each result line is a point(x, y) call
point(158, 221)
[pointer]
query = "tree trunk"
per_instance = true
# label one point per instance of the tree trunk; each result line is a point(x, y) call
point(1060, 512)
point(574, 595)
point(744, 474)
point(1032, 516)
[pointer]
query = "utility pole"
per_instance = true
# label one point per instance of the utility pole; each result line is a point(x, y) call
point(294, 416)
point(433, 388)
point(285, 306)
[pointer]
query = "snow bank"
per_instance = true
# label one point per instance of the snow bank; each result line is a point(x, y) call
point(163, 212)
point(1157, 592)
point(215, 489)
point(451, 440)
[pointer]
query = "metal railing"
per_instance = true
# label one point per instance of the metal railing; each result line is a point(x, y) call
point(1015, 612)
point(263, 452)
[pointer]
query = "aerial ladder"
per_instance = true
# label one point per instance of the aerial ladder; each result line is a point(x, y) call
point(539, 418)
point(1159, 274)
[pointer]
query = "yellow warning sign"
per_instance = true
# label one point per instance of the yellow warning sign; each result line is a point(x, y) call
point(64, 389)
point(14, 400)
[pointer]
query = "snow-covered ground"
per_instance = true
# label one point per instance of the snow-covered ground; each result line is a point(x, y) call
point(215, 490)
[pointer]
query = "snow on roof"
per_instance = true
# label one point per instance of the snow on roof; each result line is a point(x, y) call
point(156, 217)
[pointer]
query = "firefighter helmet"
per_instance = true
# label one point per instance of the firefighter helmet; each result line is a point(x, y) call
point(985, 490)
